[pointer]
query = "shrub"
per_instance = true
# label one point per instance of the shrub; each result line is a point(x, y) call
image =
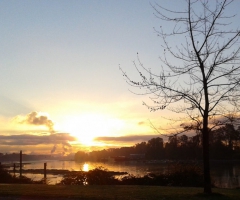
point(177, 175)
point(74, 178)
point(180, 174)
point(100, 176)
point(6, 177)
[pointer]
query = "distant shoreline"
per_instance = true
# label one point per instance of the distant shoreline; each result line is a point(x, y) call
point(58, 171)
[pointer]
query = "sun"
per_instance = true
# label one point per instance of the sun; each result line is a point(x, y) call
point(86, 127)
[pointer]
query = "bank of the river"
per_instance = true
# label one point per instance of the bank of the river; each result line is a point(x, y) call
point(50, 192)
point(58, 172)
point(225, 174)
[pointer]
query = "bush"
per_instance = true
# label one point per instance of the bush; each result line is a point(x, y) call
point(74, 178)
point(189, 175)
point(177, 175)
point(6, 177)
point(97, 176)
point(100, 176)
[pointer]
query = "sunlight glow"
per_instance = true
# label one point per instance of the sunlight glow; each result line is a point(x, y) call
point(88, 126)
point(85, 167)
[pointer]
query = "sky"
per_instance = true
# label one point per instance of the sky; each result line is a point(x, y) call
point(61, 87)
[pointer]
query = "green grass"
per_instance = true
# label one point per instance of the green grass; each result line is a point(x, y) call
point(115, 192)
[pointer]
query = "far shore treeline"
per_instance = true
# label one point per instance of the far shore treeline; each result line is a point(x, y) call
point(224, 145)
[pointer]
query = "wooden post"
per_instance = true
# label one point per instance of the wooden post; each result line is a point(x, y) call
point(20, 164)
point(45, 171)
point(14, 168)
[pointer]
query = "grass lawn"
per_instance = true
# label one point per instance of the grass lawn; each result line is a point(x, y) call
point(113, 192)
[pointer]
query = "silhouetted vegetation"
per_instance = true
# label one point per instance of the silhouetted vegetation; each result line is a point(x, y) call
point(6, 177)
point(224, 145)
point(177, 175)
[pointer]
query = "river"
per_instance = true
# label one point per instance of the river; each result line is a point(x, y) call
point(223, 175)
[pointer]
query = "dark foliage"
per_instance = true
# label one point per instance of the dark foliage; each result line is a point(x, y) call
point(74, 178)
point(97, 176)
point(177, 175)
point(185, 175)
point(100, 176)
point(6, 177)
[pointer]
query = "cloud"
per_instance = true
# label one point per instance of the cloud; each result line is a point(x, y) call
point(37, 119)
point(34, 140)
point(27, 139)
point(130, 138)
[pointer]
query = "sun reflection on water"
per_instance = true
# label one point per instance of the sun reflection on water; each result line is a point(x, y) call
point(85, 167)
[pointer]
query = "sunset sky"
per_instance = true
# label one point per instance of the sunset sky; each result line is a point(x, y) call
point(61, 87)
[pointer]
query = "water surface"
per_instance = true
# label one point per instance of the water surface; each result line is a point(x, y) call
point(223, 175)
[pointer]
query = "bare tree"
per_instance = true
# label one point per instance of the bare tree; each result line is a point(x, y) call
point(200, 75)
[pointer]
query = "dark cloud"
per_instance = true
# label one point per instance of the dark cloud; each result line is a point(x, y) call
point(130, 138)
point(27, 139)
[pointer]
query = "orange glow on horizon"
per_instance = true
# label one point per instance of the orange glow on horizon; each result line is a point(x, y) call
point(86, 127)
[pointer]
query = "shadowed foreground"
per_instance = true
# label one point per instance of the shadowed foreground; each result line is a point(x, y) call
point(50, 192)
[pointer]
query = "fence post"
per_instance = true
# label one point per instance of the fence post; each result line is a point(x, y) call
point(20, 164)
point(45, 172)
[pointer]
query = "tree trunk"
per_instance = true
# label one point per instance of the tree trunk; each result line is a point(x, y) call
point(206, 161)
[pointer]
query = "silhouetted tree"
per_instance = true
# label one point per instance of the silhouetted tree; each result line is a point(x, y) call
point(155, 148)
point(229, 135)
point(171, 148)
point(204, 81)
point(140, 148)
point(81, 156)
